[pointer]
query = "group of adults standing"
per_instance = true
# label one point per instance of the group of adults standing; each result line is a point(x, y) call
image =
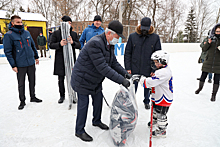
point(97, 61)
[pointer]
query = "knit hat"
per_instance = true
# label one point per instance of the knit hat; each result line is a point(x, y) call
point(97, 18)
point(66, 18)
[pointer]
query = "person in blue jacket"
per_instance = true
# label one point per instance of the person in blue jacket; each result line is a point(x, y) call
point(90, 31)
point(138, 51)
point(95, 62)
point(22, 55)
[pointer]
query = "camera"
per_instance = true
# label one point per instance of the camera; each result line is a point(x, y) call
point(213, 38)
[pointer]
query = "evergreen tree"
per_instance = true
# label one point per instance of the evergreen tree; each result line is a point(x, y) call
point(191, 27)
point(179, 37)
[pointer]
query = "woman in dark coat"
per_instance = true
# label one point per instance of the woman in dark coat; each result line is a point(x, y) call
point(57, 43)
point(212, 62)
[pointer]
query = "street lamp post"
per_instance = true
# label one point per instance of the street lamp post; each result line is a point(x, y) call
point(120, 12)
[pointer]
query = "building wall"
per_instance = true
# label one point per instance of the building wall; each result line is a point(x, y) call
point(28, 23)
point(79, 26)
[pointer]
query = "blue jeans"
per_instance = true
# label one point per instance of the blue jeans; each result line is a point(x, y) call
point(210, 74)
point(146, 93)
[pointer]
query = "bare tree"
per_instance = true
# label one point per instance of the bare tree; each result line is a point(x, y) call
point(218, 15)
point(176, 13)
point(102, 7)
point(204, 15)
point(42, 7)
point(4, 4)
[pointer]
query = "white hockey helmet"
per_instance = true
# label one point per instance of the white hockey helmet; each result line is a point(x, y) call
point(161, 56)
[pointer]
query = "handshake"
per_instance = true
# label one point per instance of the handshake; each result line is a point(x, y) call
point(138, 78)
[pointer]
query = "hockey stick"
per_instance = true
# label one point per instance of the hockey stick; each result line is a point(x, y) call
point(151, 125)
point(106, 102)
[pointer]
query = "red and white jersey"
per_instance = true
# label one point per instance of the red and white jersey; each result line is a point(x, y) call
point(162, 86)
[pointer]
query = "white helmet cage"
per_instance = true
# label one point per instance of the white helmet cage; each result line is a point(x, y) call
point(161, 56)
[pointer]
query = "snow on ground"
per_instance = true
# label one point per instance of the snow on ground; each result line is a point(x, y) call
point(193, 119)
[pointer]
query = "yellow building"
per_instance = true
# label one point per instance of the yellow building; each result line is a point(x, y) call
point(34, 23)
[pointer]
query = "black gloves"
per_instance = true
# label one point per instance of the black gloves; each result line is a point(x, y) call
point(128, 76)
point(126, 83)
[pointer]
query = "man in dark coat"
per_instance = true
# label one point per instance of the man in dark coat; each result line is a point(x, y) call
point(212, 62)
point(57, 43)
point(138, 51)
point(22, 55)
point(95, 62)
point(41, 42)
point(50, 35)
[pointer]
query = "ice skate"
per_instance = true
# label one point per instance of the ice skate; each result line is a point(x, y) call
point(159, 133)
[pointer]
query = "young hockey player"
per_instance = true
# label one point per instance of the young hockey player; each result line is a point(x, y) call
point(162, 91)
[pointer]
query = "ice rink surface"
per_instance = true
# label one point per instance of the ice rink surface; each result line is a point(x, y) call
point(194, 120)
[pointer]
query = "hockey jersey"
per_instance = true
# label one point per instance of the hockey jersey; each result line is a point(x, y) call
point(162, 86)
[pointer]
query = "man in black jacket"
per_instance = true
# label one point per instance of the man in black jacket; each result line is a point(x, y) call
point(138, 51)
point(95, 62)
point(57, 43)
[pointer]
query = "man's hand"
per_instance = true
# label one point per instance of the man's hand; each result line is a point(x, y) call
point(204, 43)
point(210, 41)
point(63, 42)
point(129, 71)
point(15, 69)
point(152, 74)
point(37, 61)
point(70, 40)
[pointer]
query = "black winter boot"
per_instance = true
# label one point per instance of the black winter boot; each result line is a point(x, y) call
point(21, 106)
point(62, 98)
point(201, 84)
point(36, 100)
point(214, 91)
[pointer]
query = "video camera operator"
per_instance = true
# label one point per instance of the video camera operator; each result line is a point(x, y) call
point(212, 62)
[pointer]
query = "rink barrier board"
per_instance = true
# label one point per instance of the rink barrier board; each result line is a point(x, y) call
point(120, 49)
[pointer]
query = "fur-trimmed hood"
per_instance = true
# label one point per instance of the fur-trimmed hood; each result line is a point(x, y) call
point(213, 30)
point(138, 30)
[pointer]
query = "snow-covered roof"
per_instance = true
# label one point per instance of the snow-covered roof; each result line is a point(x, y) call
point(24, 16)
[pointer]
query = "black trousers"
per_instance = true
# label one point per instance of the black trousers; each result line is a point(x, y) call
point(21, 75)
point(82, 109)
point(216, 77)
point(61, 85)
point(146, 93)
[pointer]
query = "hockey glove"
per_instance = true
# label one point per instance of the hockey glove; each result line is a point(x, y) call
point(142, 81)
point(136, 78)
point(128, 76)
point(126, 83)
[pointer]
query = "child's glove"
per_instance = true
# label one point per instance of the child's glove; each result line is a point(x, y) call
point(136, 78)
point(142, 81)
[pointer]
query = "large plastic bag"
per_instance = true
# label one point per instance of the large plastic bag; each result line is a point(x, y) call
point(124, 114)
